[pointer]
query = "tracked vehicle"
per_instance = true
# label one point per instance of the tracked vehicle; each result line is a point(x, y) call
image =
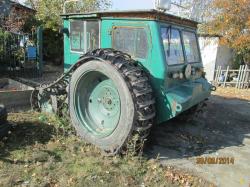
point(126, 71)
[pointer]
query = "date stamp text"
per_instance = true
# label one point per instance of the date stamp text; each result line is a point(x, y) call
point(215, 160)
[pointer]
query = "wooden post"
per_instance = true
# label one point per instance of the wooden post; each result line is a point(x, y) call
point(216, 75)
point(244, 77)
point(238, 78)
point(248, 78)
point(225, 77)
point(241, 77)
point(242, 67)
point(219, 74)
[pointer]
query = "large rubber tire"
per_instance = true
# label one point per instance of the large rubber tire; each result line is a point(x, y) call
point(136, 101)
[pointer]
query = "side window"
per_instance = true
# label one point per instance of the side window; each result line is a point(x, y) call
point(92, 29)
point(172, 45)
point(131, 40)
point(77, 36)
point(83, 40)
point(191, 46)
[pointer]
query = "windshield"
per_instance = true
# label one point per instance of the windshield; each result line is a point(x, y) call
point(174, 51)
point(172, 45)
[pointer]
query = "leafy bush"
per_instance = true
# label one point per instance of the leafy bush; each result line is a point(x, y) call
point(53, 46)
point(5, 38)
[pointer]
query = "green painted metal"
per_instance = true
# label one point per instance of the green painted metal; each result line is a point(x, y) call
point(173, 95)
point(98, 103)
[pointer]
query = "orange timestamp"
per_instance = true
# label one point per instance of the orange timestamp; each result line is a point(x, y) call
point(215, 160)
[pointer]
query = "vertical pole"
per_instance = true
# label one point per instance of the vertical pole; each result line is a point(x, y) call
point(241, 76)
point(215, 77)
point(219, 75)
point(225, 80)
point(238, 78)
point(248, 78)
point(40, 49)
point(244, 77)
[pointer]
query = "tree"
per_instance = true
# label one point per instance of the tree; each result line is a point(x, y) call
point(192, 9)
point(49, 11)
point(4, 12)
point(231, 20)
point(48, 14)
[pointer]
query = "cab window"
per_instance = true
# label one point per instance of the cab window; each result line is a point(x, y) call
point(92, 32)
point(83, 40)
point(77, 36)
point(131, 40)
point(172, 45)
point(191, 47)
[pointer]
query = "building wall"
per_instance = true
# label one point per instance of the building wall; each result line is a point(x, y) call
point(214, 55)
point(224, 56)
point(17, 17)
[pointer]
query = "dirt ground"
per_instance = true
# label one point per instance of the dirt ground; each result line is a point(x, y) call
point(222, 131)
point(45, 152)
point(42, 150)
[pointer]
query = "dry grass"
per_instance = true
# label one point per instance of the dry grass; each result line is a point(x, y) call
point(233, 93)
point(44, 151)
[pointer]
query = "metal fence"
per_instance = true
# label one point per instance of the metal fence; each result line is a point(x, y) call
point(13, 58)
point(239, 78)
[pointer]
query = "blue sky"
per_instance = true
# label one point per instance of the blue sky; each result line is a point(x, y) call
point(132, 4)
point(129, 4)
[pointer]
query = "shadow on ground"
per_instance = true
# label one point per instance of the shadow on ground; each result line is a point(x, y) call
point(25, 135)
point(225, 123)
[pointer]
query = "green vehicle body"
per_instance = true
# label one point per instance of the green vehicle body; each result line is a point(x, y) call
point(173, 95)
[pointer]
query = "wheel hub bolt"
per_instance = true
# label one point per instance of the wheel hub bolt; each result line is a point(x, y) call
point(109, 101)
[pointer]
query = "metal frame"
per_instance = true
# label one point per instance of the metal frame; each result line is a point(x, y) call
point(243, 77)
point(180, 33)
point(197, 42)
point(181, 29)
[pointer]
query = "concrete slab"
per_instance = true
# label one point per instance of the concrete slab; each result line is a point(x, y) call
point(15, 95)
point(223, 131)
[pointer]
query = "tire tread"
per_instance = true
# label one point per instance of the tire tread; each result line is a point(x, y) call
point(138, 83)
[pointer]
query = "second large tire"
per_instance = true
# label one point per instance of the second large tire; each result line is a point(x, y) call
point(111, 100)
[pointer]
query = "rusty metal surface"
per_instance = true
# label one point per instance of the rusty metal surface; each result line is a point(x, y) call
point(141, 14)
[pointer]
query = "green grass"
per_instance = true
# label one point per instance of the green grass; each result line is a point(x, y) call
point(44, 151)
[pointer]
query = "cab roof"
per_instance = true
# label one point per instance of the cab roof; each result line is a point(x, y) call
point(134, 14)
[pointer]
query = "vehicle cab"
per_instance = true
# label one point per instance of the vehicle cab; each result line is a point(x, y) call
point(165, 45)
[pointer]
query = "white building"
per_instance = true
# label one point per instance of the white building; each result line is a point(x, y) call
point(214, 54)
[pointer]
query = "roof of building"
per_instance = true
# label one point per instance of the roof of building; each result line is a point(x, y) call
point(22, 6)
point(141, 14)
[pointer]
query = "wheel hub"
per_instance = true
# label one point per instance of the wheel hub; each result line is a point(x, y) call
point(101, 114)
point(108, 100)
